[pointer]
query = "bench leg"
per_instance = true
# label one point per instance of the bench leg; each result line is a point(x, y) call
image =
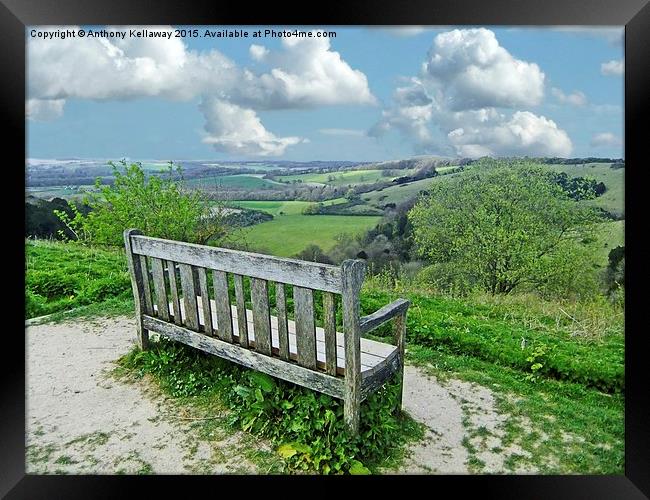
point(143, 336)
point(351, 406)
point(399, 331)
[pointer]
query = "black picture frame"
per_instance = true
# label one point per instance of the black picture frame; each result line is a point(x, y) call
point(633, 14)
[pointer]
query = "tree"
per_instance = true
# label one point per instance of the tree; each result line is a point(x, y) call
point(314, 253)
point(505, 227)
point(158, 206)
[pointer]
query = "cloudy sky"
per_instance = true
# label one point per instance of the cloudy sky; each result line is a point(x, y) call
point(366, 94)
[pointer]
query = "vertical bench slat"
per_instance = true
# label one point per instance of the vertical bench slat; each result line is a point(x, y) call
point(242, 321)
point(205, 301)
point(173, 287)
point(135, 269)
point(222, 305)
point(189, 297)
point(147, 286)
point(329, 325)
point(283, 329)
point(160, 288)
point(353, 274)
point(261, 315)
point(303, 302)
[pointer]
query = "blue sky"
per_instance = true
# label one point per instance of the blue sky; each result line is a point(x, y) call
point(366, 94)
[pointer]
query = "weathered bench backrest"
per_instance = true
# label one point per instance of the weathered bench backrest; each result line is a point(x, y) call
point(159, 266)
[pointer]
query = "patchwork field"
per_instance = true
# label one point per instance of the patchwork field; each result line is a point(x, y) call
point(286, 207)
point(289, 234)
point(243, 181)
point(342, 178)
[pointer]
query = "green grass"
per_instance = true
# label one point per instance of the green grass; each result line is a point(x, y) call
point(287, 207)
point(349, 177)
point(580, 343)
point(242, 181)
point(63, 276)
point(613, 199)
point(290, 234)
point(401, 192)
point(584, 431)
point(609, 235)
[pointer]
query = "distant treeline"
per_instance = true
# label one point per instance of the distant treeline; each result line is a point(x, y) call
point(40, 220)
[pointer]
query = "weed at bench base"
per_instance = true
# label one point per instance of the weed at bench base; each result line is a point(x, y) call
point(307, 427)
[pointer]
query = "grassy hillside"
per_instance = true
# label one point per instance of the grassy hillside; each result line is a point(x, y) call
point(277, 208)
point(289, 234)
point(613, 199)
point(341, 178)
point(62, 276)
point(233, 181)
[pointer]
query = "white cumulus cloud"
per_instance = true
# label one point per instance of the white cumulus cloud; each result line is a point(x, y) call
point(466, 101)
point(44, 110)
point(304, 73)
point(605, 139)
point(232, 129)
point(576, 98)
point(473, 71)
point(615, 67)
point(524, 133)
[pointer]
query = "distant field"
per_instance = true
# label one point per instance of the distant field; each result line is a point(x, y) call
point(609, 235)
point(64, 192)
point(401, 192)
point(614, 198)
point(340, 178)
point(235, 181)
point(286, 207)
point(289, 234)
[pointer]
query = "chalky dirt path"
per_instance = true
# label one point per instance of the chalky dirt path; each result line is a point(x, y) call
point(82, 420)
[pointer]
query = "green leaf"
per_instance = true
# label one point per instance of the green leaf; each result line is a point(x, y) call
point(357, 468)
point(264, 381)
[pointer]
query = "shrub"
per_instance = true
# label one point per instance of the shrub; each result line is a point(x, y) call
point(157, 205)
point(307, 427)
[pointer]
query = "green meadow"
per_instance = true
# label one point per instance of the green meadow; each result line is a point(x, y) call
point(287, 235)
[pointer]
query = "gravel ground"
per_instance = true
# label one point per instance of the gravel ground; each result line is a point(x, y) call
point(82, 420)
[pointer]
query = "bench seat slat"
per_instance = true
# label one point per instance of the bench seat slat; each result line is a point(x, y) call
point(372, 352)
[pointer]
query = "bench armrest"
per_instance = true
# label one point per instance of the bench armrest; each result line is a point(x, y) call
point(372, 321)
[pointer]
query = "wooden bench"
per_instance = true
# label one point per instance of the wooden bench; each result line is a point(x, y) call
point(171, 282)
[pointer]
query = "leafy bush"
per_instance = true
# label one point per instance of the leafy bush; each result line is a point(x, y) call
point(307, 427)
point(158, 206)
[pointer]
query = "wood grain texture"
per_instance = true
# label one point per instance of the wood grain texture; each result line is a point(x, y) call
point(329, 325)
point(292, 271)
point(283, 328)
point(146, 277)
point(137, 285)
point(353, 273)
point(189, 297)
point(222, 304)
point(372, 321)
point(399, 331)
point(205, 301)
point(160, 288)
point(242, 326)
point(251, 359)
point(373, 379)
point(303, 304)
point(173, 289)
point(261, 315)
